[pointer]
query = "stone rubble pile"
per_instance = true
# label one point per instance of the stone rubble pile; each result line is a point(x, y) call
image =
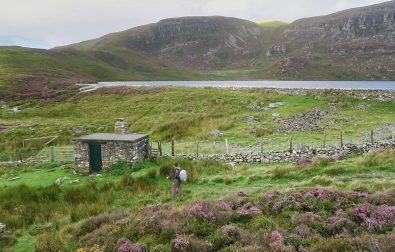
point(295, 155)
point(308, 121)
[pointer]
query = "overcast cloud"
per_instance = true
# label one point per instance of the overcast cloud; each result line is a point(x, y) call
point(49, 23)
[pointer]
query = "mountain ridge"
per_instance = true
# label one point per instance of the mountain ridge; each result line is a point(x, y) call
point(354, 44)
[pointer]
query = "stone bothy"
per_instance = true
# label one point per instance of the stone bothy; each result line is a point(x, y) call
point(97, 152)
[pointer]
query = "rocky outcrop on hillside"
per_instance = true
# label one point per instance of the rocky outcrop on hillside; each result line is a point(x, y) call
point(362, 29)
point(199, 42)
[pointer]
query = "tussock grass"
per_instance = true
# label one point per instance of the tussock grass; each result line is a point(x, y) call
point(383, 158)
point(279, 173)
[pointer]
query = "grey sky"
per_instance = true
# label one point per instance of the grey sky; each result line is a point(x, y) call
point(49, 23)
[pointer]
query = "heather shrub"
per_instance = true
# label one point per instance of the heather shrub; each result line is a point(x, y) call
point(236, 201)
point(277, 243)
point(124, 245)
point(211, 211)
point(381, 198)
point(248, 210)
point(224, 236)
point(375, 218)
point(189, 244)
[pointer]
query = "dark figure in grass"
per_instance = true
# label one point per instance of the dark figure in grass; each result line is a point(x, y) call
point(177, 183)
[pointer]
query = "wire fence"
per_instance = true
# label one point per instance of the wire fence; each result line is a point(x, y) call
point(274, 143)
point(223, 145)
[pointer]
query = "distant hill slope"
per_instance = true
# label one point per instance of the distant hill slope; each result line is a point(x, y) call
point(203, 43)
point(356, 44)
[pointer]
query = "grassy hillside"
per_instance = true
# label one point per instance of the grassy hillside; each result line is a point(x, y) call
point(271, 24)
point(47, 214)
point(189, 115)
point(204, 48)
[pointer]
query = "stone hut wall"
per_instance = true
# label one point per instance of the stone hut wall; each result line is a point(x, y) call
point(81, 156)
point(111, 152)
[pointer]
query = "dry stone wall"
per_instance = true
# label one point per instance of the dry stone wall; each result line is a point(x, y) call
point(387, 95)
point(295, 155)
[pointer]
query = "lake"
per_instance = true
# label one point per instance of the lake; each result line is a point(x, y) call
point(258, 84)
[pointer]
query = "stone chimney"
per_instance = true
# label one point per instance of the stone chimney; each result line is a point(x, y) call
point(121, 127)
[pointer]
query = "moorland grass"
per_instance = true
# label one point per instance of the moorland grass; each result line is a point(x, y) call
point(27, 207)
point(188, 115)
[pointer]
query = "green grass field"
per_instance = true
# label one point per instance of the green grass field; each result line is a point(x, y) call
point(46, 210)
point(188, 115)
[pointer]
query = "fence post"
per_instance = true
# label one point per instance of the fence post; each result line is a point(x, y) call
point(227, 147)
point(172, 147)
point(160, 148)
point(52, 153)
point(341, 138)
point(371, 137)
point(261, 144)
point(290, 145)
point(324, 138)
point(197, 149)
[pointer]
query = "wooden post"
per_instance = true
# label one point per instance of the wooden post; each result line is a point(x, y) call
point(324, 138)
point(290, 145)
point(172, 147)
point(261, 144)
point(52, 154)
point(197, 149)
point(341, 138)
point(371, 137)
point(160, 148)
point(227, 147)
